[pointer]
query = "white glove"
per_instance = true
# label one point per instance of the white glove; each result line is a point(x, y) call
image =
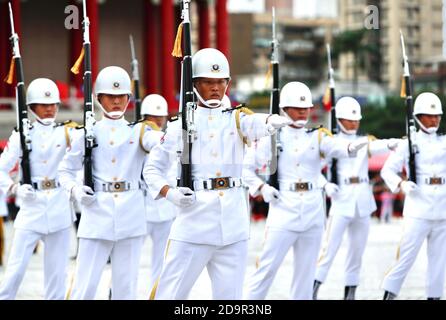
point(269, 194)
point(181, 197)
point(25, 192)
point(331, 189)
point(393, 143)
point(356, 145)
point(276, 122)
point(83, 195)
point(408, 187)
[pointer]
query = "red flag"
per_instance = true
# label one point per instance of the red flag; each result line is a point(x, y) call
point(326, 100)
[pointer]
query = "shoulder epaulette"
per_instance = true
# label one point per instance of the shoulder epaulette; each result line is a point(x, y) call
point(131, 124)
point(371, 137)
point(240, 106)
point(68, 123)
point(322, 130)
point(314, 128)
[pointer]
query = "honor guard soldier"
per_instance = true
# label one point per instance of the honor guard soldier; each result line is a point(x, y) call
point(296, 211)
point(160, 213)
point(113, 222)
point(352, 201)
point(425, 201)
point(212, 226)
point(45, 211)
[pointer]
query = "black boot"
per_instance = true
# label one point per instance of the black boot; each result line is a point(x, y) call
point(349, 293)
point(316, 286)
point(389, 295)
point(433, 298)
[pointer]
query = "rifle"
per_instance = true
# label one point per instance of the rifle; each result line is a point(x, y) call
point(274, 106)
point(23, 123)
point(89, 121)
point(135, 78)
point(332, 125)
point(410, 121)
point(188, 104)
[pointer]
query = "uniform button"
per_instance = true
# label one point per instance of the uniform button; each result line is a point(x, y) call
point(42, 146)
point(113, 129)
point(113, 160)
point(115, 195)
point(221, 193)
point(210, 118)
point(211, 135)
point(300, 180)
point(115, 179)
point(44, 161)
point(218, 173)
point(214, 154)
point(295, 150)
point(297, 164)
point(112, 142)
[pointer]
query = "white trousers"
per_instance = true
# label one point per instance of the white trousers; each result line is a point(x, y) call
point(357, 230)
point(55, 260)
point(277, 243)
point(91, 259)
point(185, 261)
point(414, 234)
point(159, 233)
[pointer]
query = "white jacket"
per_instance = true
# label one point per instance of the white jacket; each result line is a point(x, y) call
point(219, 217)
point(300, 161)
point(358, 195)
point(429, 202)
point(51, 210)
point(119, 156)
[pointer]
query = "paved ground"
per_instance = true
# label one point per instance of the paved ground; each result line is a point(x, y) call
point(378, 257)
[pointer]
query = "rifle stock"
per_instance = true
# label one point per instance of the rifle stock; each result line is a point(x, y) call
point(332, 123)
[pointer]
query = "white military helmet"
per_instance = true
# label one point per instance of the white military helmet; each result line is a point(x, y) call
point(210, 63)
point(348, 108)
point(154, 105)
point(113, 80)
point(295, 95)
point(427, 103)
point(42, 90)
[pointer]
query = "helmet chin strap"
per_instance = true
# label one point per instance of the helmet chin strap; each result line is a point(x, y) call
point(45, 121)
point(115, 115)
point(211, 103)
point(349, 132)
point(297, 123)
point(430, 130)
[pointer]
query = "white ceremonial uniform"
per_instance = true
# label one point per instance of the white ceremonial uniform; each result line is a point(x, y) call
point(297, 218)
point(212, 232)
point(115, 223)
point(160, 215)
point(424, 212)
point(48, 217)
point(351, 208)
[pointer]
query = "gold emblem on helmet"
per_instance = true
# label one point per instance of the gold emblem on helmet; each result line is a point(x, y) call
point(116, 84)
point(354, 111)
point(215, 68)
point(47, 94)
point(433, 106)
point(302, 98)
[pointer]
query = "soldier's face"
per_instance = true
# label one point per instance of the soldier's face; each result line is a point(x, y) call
point(160, 121)
point(429, 120)
point(211, 88)
point(111, 102)
point(297, 113)
point(350, 124)
point(45, 111)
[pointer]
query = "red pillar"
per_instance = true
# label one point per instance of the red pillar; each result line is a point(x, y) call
point(151, 49)
point(167, 60)
point(75, 49)
point(93, 15)
point(222, 26)
point(204, 24)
